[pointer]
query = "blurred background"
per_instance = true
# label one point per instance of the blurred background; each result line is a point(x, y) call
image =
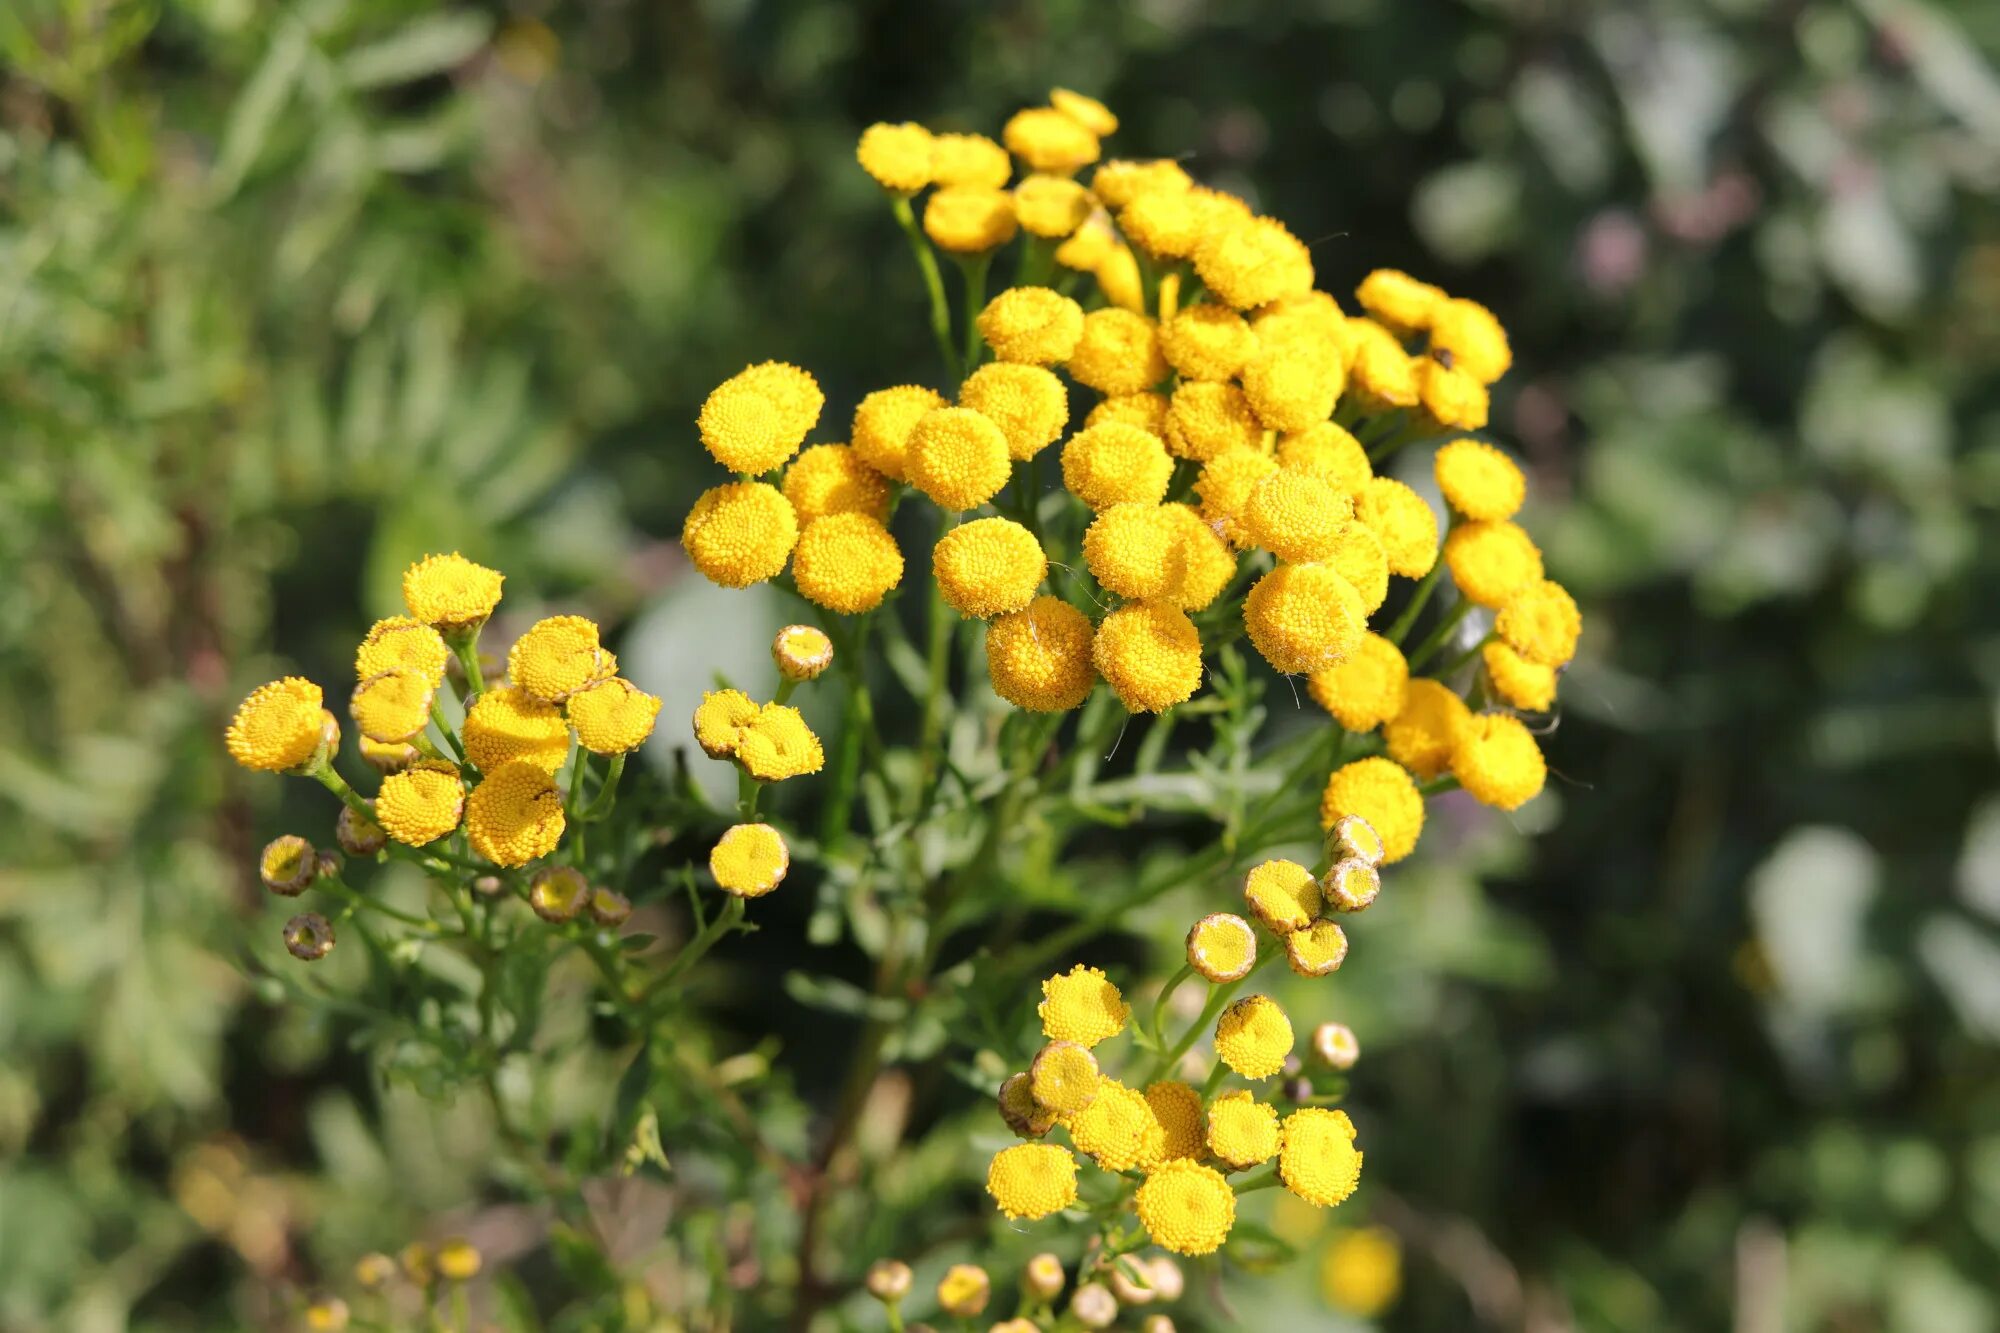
point(291, 294)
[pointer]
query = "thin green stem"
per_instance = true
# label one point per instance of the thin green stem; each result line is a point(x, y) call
point(1464, 659)
point(1438, 785)
point(1265, 1181)
point(465, 646)
point(1160, 1005)
point(330, 778)
point(728, 919)
point(748, 789)
point(444, 729)
point(1217, 998)
point(1403, 622)
point(1438, 637)
point(943, 620)
point(974, 269)
point(606, 799)
point(353, 897)
point(927, 263)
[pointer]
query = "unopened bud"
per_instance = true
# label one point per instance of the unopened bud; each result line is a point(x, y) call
point(1020, 1110)
point(1351, 885)
point(1130, 1281)
point(1094, 1306)
point(1156, 1323)
point(309, 937)
point(328, 1314)
point(1298, 1089)
point(1018, 1324)
point(558, 893)
point(417, 1265)
point(489, 886)
point(1336, 1044)
point(357, 834)
point(1222, 947)
point(801, 652)
point(329, 863)
point(288, 865)
point(388, 757)
point(608, 907)
point(1168, 1282)
point(373, 1270)
point(457, 1260)
point(1353, 836)
point(1044, 1277)
point(889, 1280)
point(964, 1290)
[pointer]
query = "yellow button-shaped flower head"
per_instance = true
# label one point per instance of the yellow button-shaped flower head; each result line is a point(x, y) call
point(515, 814)
point(1424, 734)
point(801, 652)
point(1118, 1129)
point(1366, 689)
point(777, 744)
point(756, 419)
point(1035, 326)
point(1150, 654)
point(507, 723)
point(1521, 683)
point(1177, 1106)
point(1024, 1115)
point(846, 563)
point(1089, 245)
point(422, 803)
point(557, 657)
point(964, 1290)
point(1358, 557)
point(1382, 376)
point(1294, 385)
point(1404, 523)
point(1295, 516)
point(1491, 560)
point(1039, 659)
point(1118, 352)
point(613, 717)
point(1064, 1078)
point(278, 727)
point(1329, 452)
point(1088, 112)
point(1222, 947)
point(1398, 300)
point(1242, 1131)
point(988, 567)
point(1186, 1207)
point(1303, 618)
point(750, 860)
point(1283, 895)
point(1351, 885)
point(1541, 623)
point(1121, 180)
point(740, 533)
point(1224, 488)
point(969, 159)
point(1118, 278)
point(1498, 761)
point(970, 219)
point(720, 721)
point(1032, 1180)
point(1203, 561)
point(288, 864)
point(1253, 1037)
point(1361, 1273)
point(1051, 206)
point(1049, 141)
point(958, 458)
point(1253, 263)
point(1353, 838)
point(1133, 550)
point(883, 422)
point(1027, 403)
point(1478, 480)
point(1116, 464)
point(1382, 792)
point(393, 705)
point(1317, 950)
point(1336, 1045)
point(897, 156)
point(386, 758)
point(1466, 337)
point(1208, 419)
point(402, 642)
point(451, 593)
point(834, 479)
point(1081, 1005)
point(1207, 342)
point(1147, 411)
point(1319, 1161)
point(1451, 398)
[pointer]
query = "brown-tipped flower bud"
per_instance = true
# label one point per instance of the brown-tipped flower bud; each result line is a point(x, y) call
point(1222, 947)
point(357, 834)
point(889, 1280)
point(608, 907)
point(328, 864)
point(1130, 1280)
point(1168, 1281)
point(801, 652)
point(1018, 1324)
point(309, 937)
point(1044, 1277)
point(558, 893)
point(1353, 836)
point(489, 886)
point(388, 757)
point(1022, 1113)
point(457, 1260)
point(417, 1263)
point(1094, 1306)
point(1351, 885)
point(372, 1271)
point(327, 1314)
point(964, 1290)
point(1156, 1323)
point(329, 743)
point(1336, 1044)
point(288, 865)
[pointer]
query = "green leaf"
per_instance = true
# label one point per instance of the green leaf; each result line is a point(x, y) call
point(425, 47)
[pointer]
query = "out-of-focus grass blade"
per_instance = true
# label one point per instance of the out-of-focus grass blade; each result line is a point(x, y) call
point(425, 47)
point(256, 111)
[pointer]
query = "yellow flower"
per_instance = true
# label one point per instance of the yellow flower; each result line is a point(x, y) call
point(1224, 488)
point(1398, 300)
point(1088, 112)
point(278, 728)
point(371, 1271)
point(1082, 1006)
point(515, 814)
point(1295, 516)
point(1242, 1131)
point(1147, 411)
point(1032, 325)
point(420, 804)
point(1208, 420)
point(1353, 883)
point(1336, 1044)
point(457, 1261)
point(1207, 342)
point(392, 705)
point(1405, 524)
point(883, 422)
point(1049, 141)
point(777, 744)
point(449, 592)
point(720, 720)
point(1150, 654)
point(897, 156)
point(1451, 398)
point(1381, 373)
point(988, 567)
point(507, 724)
point(846, 563)
point(558, 893)
point(970, 219)
point(1498, 761)
point(1024, 1115)
point(1117, 353)
point(1114, 464)
point(1204, 561)
point(288, 864)
point(557, 657)
point(756, 419)
point(958, 458)
point(969, 159)
point(1318, 949)
point(1541, 623)
point(749, 860)
point(801, 652)
point(386, 758)
point(1177, 1107)
point(1382, 792)
point(1186, 1207)
point(1521, 683)
point(1361, 1272)
point(1294, 385)
point(1478, 480)
point(1027, 403)
point(1353, 838)
point(964, 1290)
point(1253, 263)
point(1221, 947)
point(1490, 561)
point(740, 533)
point(1283, 895)
point(1319, 1162)
point(1051, 206)
point(1063, 1078)
point(1133, 550)
point(1117, 275)
point(1329, 452)
point(1031, 1180)
point(834, 479)
point(1302, 618)
point(1253, 1037)
point(1466, 337)
point(1423, 735)
point(1089, 245)
point(1121, 180)
point(1118, 1129)
point(1039, 659)
point(613, 716)
point(402, 642)
point(1358, 557)
point(327, 1314)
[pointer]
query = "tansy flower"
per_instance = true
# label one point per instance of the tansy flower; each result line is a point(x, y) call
point(1082, 1006)
point(1222, 947)
point(1303, 617)
point(1031, 1180)
point(558, 893)
point(1027, 403)
point(1150, 654)
point(1478, 480)
point(557, 657)
point(1403, 522)
point(1051, 206)
point(288, 864)
point(1118, 1129)
point(964, 1290)
point(1451, 398)
point(1353, 838)
point(1399, 300)
point(277, 729)
point(1541, 623)
point(898, 156)
point(357, 833)
point(1177, 1106)
point(1121, 180)
point(1328, 452)
point(1204, 560)
point(757, 418)
point(1318, 1160)
point(1521, 683)
point(1167, 224)
point(1207, 342)
point(1224, 488)
point(846, 563)
point(1423, 735)
point(450, 593)
point(420, 804)
point(1049, 141)
point(392, 705)
point(970, 219)
point(1466, 337)
point(1088, 112)
point(1351, 885)
point(1358, 557)
point(1382, 792)
point(613, 717)
point(1336, 1044)
point(1089, 245)
point(1064, 1077)
point(1361, 1272)
point(1318, 949)
point(969, 159)
point(1253, 263)
point(1295, 516)
point(1116, 464)
point(720, 720)
point(1186, 1207)
point(326, 1314)
point(1309, 314)
point(515, 814)
point(373, 1270)
point(883, 422)
point(1490, 561)
point(1117, 353)
point(777, 744)
point(1118, 279)
point(1283, 895)
point(1498, 761)
point(988, 567)
point(1032, 325)
point(1147, 411)
point(1242, 1131)
point(740, 533)
point(1294, 385)
point(958, 458)
point(1024, 1115)
point(834, 479)
point(1253, 1037)
point(801, 652)
point(1133, 550)
point(457, 1261)
point(749, 860)
point(1382, 374)
point(1040, 659)
point(1207, 420)
point(386, 758)
point(402, 642)
point(507, 723)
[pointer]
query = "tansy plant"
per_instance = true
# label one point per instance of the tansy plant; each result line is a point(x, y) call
point(1222, 435)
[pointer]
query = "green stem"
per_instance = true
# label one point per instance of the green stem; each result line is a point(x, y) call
point(607, 795)
point(1160, 1005)
point(1217, 998)
point(1430, 647)
point(927, 263)
point(465, 646)
point(707, 938)
point(974, 269)
point(330, 778)
point(353, 897)
point(1261, 1182)
point(1428, 585)
point(938, 660)
point(1437, 785)
point(444, 729)
point(1465, 658)
point(748, 789)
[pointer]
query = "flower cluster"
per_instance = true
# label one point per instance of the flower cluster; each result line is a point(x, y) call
point(1106, 1285)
